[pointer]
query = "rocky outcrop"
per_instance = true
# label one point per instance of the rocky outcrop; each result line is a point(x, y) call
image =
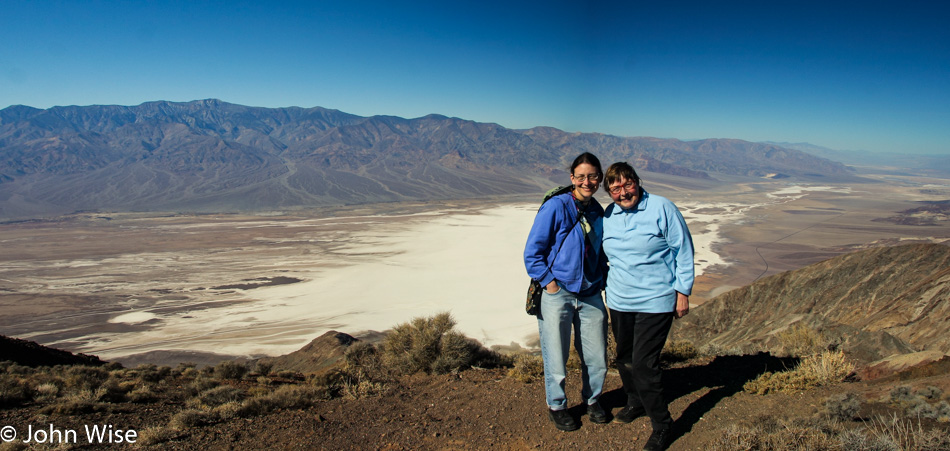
point(28, 353)
point(875, 303)
point(322, 353)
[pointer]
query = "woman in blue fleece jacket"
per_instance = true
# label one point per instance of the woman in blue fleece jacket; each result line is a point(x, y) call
point(564, 253)
point(651, 276)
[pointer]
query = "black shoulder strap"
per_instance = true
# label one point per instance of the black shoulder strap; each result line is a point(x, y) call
point(577, 217)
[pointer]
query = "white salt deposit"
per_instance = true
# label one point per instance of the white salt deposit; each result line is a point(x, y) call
point(467, 262)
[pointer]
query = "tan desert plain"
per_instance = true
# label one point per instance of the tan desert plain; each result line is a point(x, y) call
point(170, 288)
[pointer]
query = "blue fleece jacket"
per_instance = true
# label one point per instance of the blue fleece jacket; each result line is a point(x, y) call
point(650, 252)
point(552, 225)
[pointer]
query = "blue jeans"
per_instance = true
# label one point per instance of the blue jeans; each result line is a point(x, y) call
point(588, 316)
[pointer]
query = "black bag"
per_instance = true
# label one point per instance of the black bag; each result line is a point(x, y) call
point(532, 305)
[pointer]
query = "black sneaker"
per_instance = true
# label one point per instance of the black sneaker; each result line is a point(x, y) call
point(659, 440)
point(563, 420)
point(628, 414)
point(597, 413)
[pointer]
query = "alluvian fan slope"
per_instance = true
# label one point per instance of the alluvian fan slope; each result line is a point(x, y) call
point(210, 155)
point(876, 303)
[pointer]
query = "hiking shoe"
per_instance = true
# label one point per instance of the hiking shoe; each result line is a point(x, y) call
point(562, 420)
point(659, 440)
point(597, 413)
point(628, 414)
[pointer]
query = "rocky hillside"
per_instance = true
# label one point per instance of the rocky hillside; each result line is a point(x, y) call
point(214, 156)
point(29, 353)
point(879, 303)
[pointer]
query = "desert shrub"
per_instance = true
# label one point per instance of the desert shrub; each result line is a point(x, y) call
point(85, 377)
point(190, 418)
point(801, 340)
point(908, 434)
point(943, 411)
point(201, 384)
point(218, 396)
point(359, 388)
point(227, 411)
point(713, 350)
point(149, 373)
point(813, 371)
point(113, 391)
point(861, 440)
point(456, 351)
point(258, 390)
point(736, 438)
point(142, 394)
point(429, 344)
point(73, 403)
point(679, 351)
point(527, 368)
point(15, 368)
point(922, 410)
point(363, 359)
point(930, 392)
point(285, 397)
point(843, 406)
point(14, 391)
point(46, 392)
point(902, 394)
point(263, 368)
point(230, 370)
point(287, 374)
point(770, 434)
point(15, 445)
point(826, 368)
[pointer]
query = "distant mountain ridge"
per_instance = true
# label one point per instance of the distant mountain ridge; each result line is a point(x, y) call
point(904, 163)
point(210, 155)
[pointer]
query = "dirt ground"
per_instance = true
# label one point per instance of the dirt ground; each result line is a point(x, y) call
point(481, 409)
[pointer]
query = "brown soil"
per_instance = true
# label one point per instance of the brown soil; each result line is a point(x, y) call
point(479, 409)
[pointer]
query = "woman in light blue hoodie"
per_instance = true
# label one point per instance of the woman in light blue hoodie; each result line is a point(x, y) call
point(651, 276)
point(564, 254)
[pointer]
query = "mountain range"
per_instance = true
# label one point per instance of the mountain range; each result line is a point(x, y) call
point(210, 155)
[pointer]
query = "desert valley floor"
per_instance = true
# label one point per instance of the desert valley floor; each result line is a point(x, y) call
point(165, 288)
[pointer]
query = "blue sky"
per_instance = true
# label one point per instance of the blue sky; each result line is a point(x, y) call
point(869, 75)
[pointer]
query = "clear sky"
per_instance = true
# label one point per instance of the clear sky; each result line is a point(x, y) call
point(869, 75)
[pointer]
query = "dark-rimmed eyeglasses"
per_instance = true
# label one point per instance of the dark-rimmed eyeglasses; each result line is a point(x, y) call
point(629, 186)
point(594, 178)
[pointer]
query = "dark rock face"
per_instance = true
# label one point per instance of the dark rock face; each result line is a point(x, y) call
point(875, 303)
point(210, 155)
point(28, 353)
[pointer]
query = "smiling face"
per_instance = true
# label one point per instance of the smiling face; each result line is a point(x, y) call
point(586, 180)
point(625, 193)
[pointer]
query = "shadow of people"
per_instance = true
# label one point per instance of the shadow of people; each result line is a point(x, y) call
point(724, 376)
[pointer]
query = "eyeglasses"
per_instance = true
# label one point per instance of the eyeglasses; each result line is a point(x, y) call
point(594, 178)
point(629, 186)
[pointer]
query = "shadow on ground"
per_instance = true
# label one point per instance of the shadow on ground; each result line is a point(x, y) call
point(724, 376)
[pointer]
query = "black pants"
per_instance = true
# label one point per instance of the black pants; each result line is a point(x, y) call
point(640, 338)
